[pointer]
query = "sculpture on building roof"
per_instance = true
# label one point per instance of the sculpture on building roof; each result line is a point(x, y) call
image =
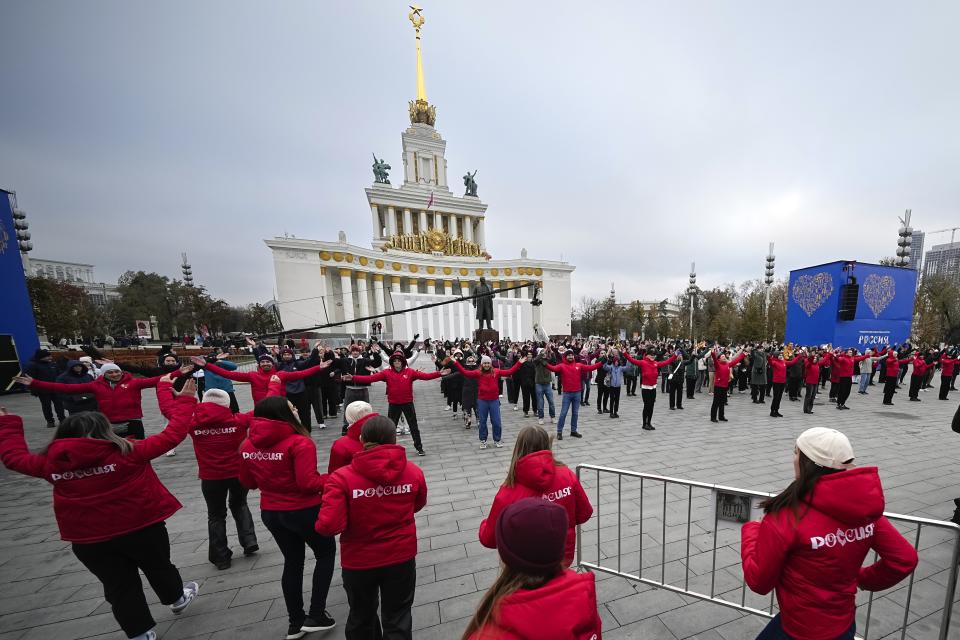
point(470, 184)
point(380, 169)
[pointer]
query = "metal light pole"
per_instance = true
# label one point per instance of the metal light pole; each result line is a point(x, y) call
point(691, 291)
point(768, 280)
point(906, 238)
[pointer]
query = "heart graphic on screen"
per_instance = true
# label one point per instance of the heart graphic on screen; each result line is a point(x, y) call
point(810, 292)
point(879, 292)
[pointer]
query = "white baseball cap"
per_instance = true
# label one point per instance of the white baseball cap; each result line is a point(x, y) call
point(826, 448)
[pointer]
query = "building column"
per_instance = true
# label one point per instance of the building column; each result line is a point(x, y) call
point(377, 227)
point(468, 228)
point(407, 222)
point(391, 222)
point(363, 294)
point(453, 226)
point(448, 287)
point(413, 285)
point(395, 284)
point(480, 235)
point(347, 299)
point(377, 293)
point(437, 221)
point(423, 221)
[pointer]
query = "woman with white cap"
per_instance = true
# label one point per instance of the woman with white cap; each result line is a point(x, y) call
point(812, 540)
point(488, 399)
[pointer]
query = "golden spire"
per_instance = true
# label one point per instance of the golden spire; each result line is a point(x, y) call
point(420, 110)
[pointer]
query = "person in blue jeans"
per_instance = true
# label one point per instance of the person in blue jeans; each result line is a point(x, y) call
point(571, 373)
point(488, 395)
point(542, 379)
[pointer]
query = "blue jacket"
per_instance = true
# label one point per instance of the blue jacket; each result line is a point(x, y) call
point(213, 381)
point(615, 377)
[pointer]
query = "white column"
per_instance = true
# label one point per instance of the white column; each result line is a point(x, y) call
point(468, 228)
point(437, 222)
point(394, 324)
point(391, 222)
point(453, 226)
point(448, 287)
point(480, 236)
point(407, 221)
point(423, 221)
point(347, 300)
point(377, 293)
point(362, 292)
point(377, 228)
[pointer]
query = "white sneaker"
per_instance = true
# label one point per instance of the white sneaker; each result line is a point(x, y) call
point(172, 452)
point(499, 444)
point(146, 635)
point(514, 407)
point(483, 444)
point(446, 408)
point(552, 420)
point(321, 426)
point(540, 421)
point(399, 431)
point(190, 591)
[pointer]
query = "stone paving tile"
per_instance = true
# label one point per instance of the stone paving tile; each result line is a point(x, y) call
point(48, 594)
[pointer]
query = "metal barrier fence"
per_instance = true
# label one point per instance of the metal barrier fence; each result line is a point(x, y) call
point(678, 536)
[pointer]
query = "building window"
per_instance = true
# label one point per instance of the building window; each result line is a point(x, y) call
point(59, 273)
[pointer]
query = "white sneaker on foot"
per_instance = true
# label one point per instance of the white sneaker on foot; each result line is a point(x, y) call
point(483, 444)
point(321, 426)
point(172, 452)
point(146, 635)
point(190, 591)
point(499, 444)
point(540, 421)
point(446, 408)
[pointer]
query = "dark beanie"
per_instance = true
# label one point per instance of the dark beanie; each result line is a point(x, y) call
point(532, 535)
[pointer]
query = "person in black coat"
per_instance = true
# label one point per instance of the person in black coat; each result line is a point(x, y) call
point(42, 367)
point(77, 373)
point(526, 380)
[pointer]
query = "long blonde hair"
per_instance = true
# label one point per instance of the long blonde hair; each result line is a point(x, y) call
point(509, 581)
point(530, 440)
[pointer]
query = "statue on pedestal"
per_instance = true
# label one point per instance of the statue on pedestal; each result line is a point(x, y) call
point(380, 169)
point(470, 184)
point(483, 303)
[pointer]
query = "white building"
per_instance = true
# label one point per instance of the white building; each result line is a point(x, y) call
point(428, 245)
point(75, 273)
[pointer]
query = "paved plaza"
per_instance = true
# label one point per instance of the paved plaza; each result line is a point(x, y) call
point(47, 594)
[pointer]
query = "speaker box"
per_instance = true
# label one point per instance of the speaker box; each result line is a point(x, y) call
point(849, 294)
point(9, 364)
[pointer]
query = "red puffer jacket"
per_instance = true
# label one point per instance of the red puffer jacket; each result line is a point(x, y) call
point(399, 383)
point(260, 380)
point(371, 503)
point(811, 371)
point(722, 377)
point(345, 447)
point(487, 388)
point(650, 371)
point(538, 475)
point(780, 368)
point(282, 464)
point(571, 375)
point(843, 365)
point(947, 365)
point(920, 366)
point(120, 402)
point(98, 492)
point(815, 564)
point(563, 609)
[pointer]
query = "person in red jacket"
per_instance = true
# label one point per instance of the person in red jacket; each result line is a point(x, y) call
point(260, 379)
point(811, 379)
point(649, 372)
point(111, 506)
point(812, 540)
point(534, 472)
point(399, 378)
point(371, 503)
point(534, 597)
point(947, 366)
point(571, 382)
point(117, 393)
point(217, 433)
point(721, 381)
point(892, 369)
point(917, 377)
point(843, 365)
point(345, 447)
point(779, 367)
point(488, 394)
point(280, 459)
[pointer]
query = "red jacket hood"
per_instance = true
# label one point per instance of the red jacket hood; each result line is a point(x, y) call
point(354, 430)
point(266, 433)
point(565, 607)
point(536, 470)
point(382, 464)
point(72, 453)
point(212, 413)
point(854, 497)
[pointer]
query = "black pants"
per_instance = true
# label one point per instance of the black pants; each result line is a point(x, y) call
point(719, 402)
point(793, 388)
point(916, 382)
point(944, 386)
point(526, 392)
point(889, 388)
point(410, 415)
point(234, 405)
point(218, 495)
point(757, 393)
point(314, 403)
point(843, 390)
point(613, 394)
point(824, 376)
point(691, 383)
point(663, 382)
point(602, 396)
point(675, 388)
point(809, 397)
point(777, 396)
point(117, 564)
point(631, 382)
point(48, 399)
point(130, 429)
point(395, 585)
point(352, 394)
point(513, 391)
point(330, 398)
point(903, 372)
point(649, 399)
point(584, 393)
point(302, 402)
point(293, 532)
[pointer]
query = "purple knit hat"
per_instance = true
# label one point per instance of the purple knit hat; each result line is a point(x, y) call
point(532, 536)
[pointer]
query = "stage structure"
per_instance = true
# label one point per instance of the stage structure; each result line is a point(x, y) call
point(429, 245)
point(850, 304)
point(18, 330)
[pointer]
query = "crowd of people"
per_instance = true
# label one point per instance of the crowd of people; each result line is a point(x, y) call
point(370, 493)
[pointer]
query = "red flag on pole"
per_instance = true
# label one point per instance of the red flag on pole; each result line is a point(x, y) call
point(430, 201)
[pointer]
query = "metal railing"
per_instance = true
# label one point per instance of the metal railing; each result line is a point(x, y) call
point(698, 553)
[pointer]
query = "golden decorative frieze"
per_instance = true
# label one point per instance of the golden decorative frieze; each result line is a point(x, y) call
point(434, 241)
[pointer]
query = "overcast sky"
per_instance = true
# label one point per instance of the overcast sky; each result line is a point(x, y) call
point(630, 138)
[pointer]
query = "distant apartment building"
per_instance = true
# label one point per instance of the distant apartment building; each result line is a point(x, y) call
point(943, 260)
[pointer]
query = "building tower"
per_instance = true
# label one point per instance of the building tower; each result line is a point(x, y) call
point(187, 271)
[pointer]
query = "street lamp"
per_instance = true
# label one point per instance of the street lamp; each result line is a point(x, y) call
point(906, 238)
point(768, 280)
point(691, 291)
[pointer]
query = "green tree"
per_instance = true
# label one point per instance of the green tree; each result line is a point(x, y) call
point(937, 310)
point(57, 307)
